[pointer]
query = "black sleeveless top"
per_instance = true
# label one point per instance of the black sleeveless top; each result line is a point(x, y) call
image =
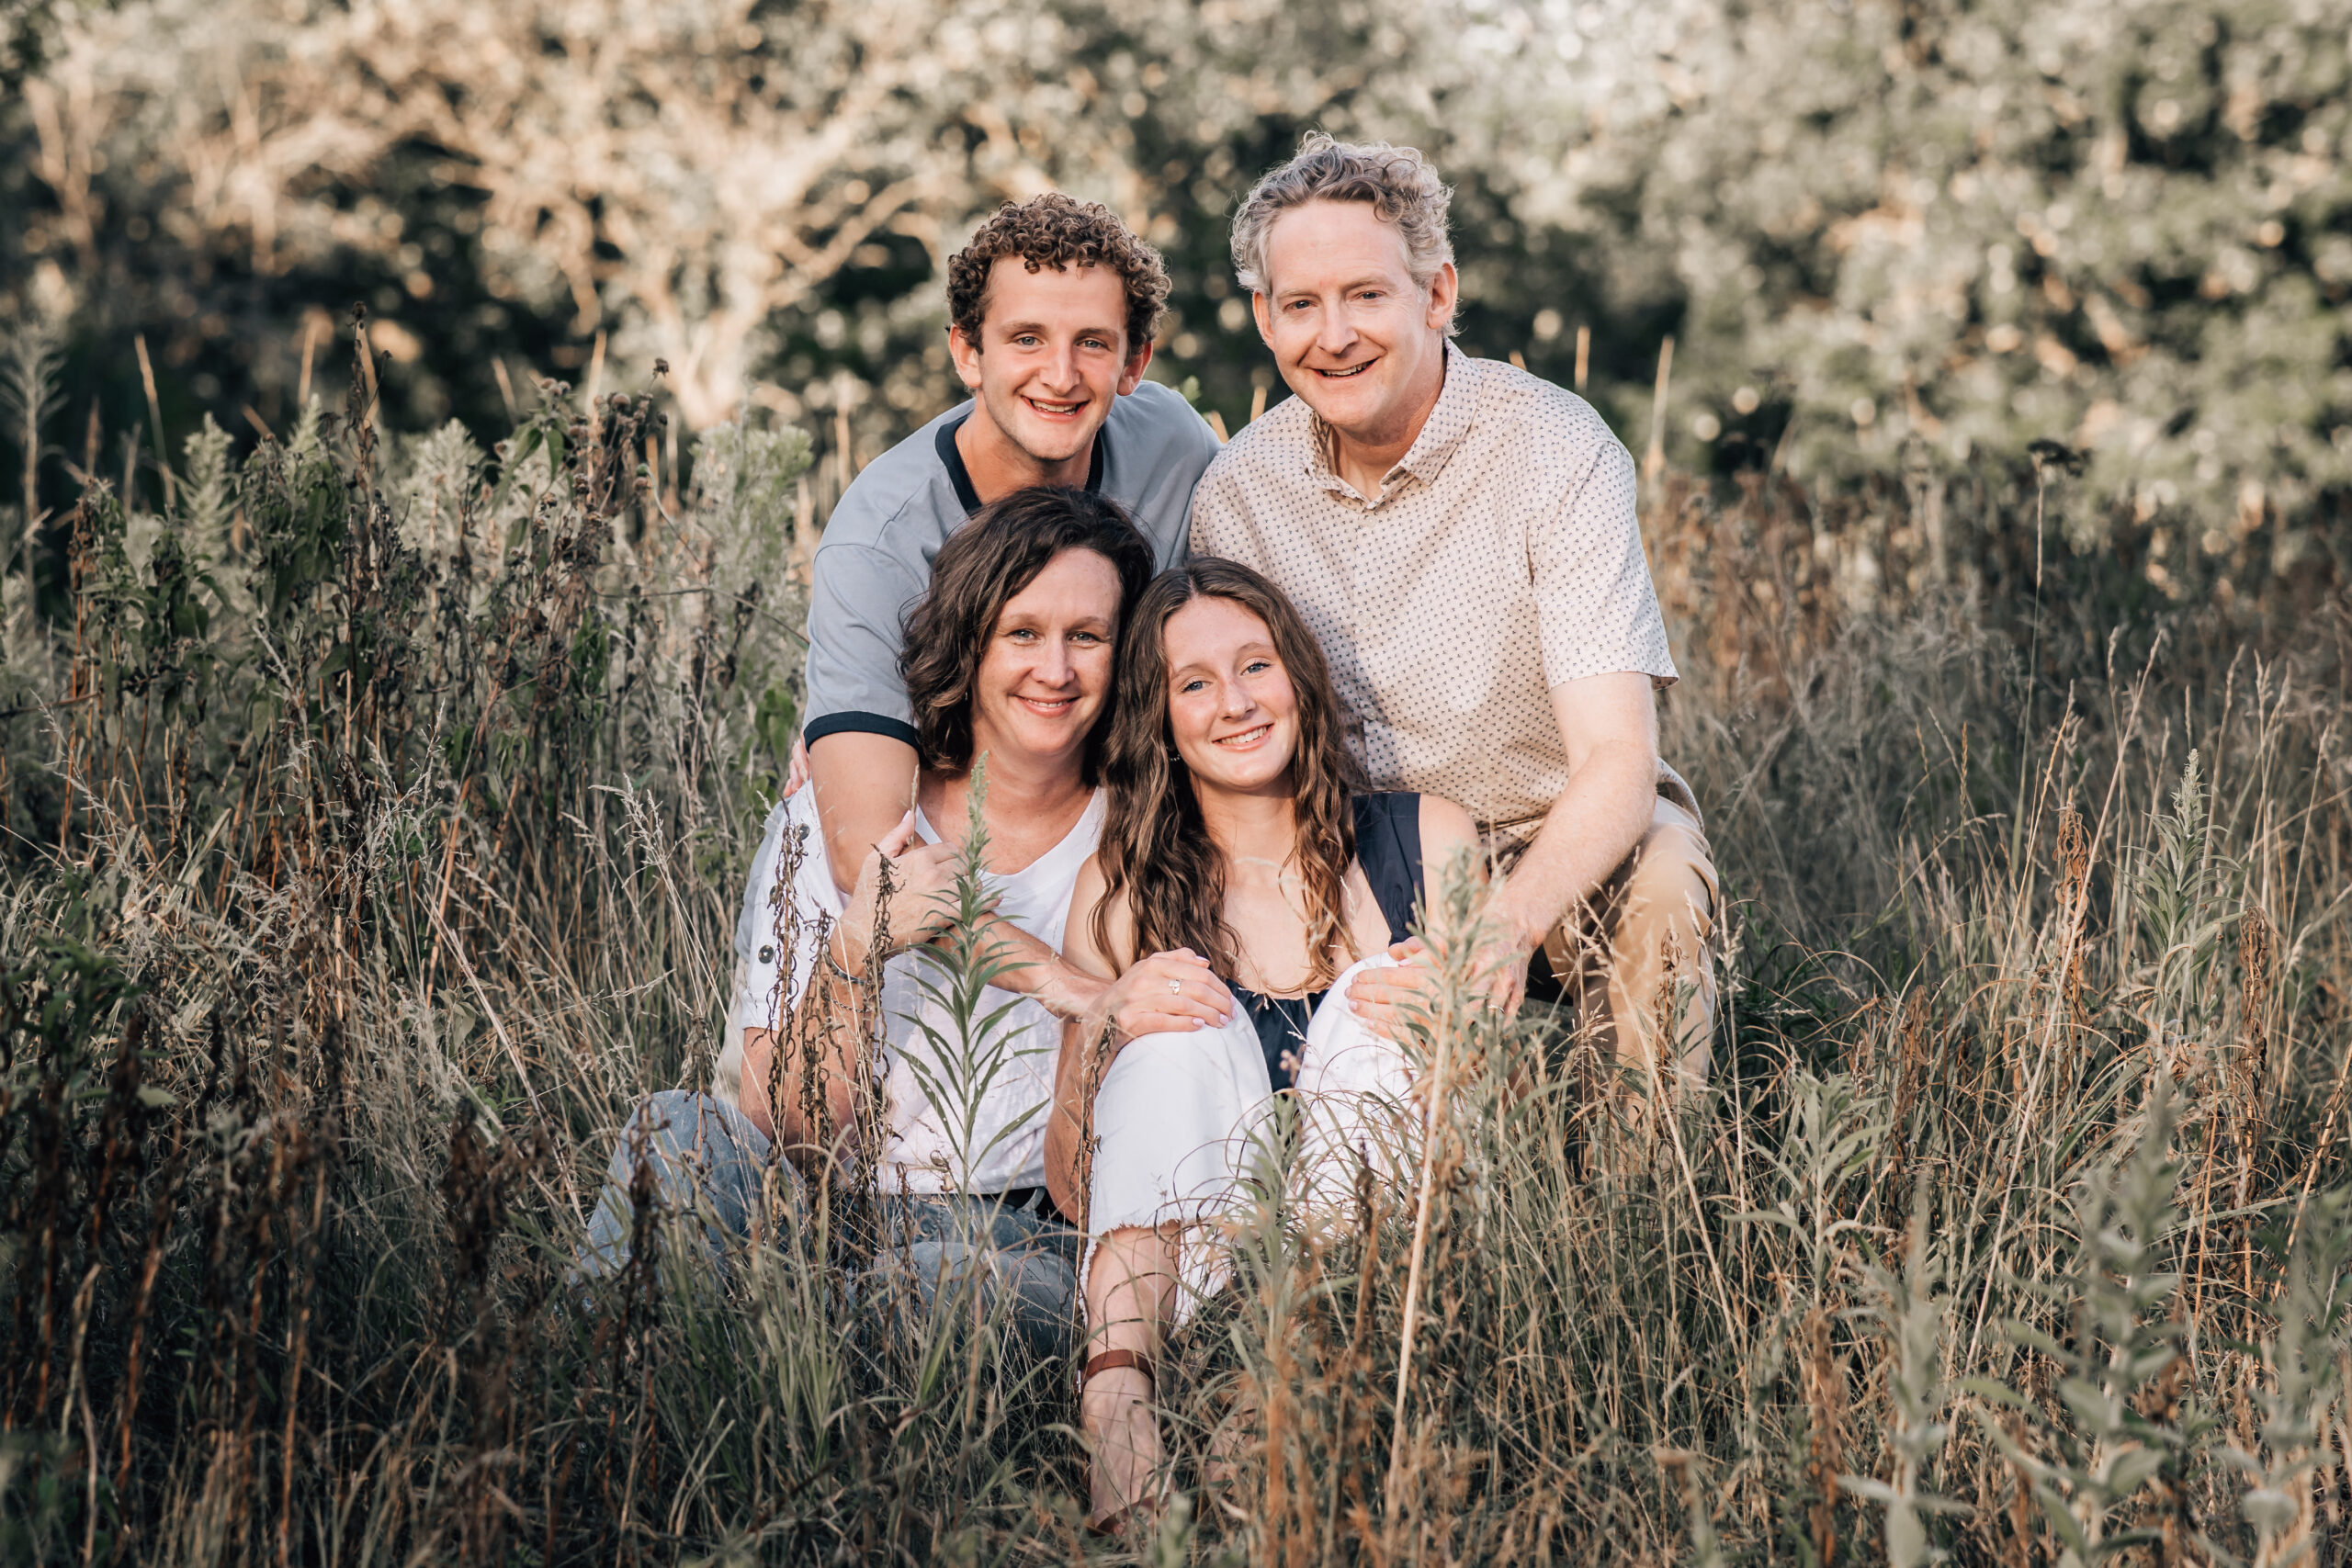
point(1389, 847)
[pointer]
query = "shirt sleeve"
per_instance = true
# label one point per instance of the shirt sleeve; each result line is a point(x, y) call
point(857, 606)
point(1595, 604)
point(788, 900)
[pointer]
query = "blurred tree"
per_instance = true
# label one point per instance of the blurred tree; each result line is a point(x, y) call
point(1886, 231)
point(1933, 229)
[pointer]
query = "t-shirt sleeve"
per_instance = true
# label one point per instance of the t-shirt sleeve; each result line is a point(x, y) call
point(857, 605)
point(1595, 604)
point(1196, 448)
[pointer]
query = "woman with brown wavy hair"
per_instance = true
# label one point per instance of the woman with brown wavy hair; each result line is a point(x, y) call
point(1236, 850)
point(1008, 657)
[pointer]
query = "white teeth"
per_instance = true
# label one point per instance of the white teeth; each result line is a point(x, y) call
point(1343, 375)
point(1246, 736)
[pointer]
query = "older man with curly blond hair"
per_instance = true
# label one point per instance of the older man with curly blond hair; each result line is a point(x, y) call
point(1462, 537)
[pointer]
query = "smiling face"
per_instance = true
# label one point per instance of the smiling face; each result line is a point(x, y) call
point(1047, 667)
point(1052, 357)
point(1352, 331)
point(1230, 703)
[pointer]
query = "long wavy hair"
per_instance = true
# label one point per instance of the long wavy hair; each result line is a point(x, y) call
point(980, 568)
point(1156, 849)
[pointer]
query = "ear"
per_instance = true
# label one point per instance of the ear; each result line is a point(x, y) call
point(967, 355)
point(1131, 376)
point(1445, 293)
point(1265, 316)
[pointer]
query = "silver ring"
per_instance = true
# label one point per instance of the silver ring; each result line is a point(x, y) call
point(1175, 988)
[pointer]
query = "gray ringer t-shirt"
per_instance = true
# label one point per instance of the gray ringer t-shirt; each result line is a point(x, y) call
point(873, 560)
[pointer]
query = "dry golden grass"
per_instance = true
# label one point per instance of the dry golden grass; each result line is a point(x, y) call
point(374, 830)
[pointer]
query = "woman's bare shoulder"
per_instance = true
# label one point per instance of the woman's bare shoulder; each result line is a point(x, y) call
point(1445, 828)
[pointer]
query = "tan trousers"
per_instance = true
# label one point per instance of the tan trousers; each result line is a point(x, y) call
point(1632, 959)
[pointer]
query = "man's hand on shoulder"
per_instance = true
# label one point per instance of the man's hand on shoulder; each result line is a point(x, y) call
point(796, 773)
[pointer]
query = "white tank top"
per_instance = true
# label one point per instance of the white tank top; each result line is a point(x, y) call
point(948, 1106)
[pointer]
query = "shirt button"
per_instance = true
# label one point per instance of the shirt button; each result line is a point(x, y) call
point(767, 955)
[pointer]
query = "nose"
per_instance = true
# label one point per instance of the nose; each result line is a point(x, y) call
point(1061, 369)
point(1052, 666)
point(1334, 333)
point(1234, 702)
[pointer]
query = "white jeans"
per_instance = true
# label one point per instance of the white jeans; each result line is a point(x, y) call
point(1180, 1121)
point(1355, 1108)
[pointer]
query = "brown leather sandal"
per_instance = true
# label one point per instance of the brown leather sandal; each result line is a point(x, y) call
point(1112, 1361)
point(1116, 1522)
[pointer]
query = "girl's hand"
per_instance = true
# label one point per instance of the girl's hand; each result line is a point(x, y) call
point(1168, 993)
point(922, 893)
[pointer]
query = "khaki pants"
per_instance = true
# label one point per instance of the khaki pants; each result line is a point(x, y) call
point(1632, 959)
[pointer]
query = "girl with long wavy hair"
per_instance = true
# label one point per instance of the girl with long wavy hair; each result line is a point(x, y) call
point(1237, 857)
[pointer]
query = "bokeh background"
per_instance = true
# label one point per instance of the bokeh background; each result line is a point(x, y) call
point(376, 800)
point(1893, 239)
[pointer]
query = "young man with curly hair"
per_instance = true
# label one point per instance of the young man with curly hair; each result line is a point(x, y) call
point(1051, 311)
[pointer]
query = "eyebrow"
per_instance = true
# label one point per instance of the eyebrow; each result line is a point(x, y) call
point(1384, 280)
point(1256, 649)
point(1011, 328)
point(1010, 617)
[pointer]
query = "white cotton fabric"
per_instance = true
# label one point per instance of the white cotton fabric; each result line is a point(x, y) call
point(1356, 1105)
point(1185, 1129)
point(1178, 1120)
point(921, 1155)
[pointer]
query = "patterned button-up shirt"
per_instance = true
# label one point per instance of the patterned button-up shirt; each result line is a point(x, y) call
point(1499, 558)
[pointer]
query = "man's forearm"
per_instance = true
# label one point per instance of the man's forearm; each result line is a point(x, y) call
point(1590, 831)
point(864, 785)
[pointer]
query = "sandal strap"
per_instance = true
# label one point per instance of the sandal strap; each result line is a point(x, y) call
point(1112, 1361)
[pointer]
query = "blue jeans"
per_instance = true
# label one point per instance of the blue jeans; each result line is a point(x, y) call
point(706, 1161)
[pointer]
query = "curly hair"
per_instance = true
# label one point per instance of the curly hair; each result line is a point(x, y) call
point(1399, 184)
point(1157, 852)
point(982, 566)
point(1057, 231)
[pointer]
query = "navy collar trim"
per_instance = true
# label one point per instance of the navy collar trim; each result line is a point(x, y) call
point(951, 458)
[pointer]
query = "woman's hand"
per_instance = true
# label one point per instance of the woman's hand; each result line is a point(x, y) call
point(922, 895)
point(1168, 993)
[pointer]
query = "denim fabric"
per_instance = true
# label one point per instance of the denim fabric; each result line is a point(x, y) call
point(705, 1158)
point(945, 1241)
point(708, 1160)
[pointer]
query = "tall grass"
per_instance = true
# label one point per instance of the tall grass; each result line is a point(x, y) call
point(375, 820)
